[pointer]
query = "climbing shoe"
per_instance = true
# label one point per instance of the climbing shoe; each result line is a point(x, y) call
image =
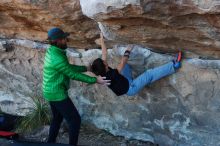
point(177, 60)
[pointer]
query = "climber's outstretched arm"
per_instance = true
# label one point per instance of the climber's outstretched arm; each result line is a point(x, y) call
point(104, 49)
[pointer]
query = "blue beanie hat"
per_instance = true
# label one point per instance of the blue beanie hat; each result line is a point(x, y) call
point(56, 33)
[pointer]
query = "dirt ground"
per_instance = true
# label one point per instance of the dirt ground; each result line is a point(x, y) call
point(89, 136)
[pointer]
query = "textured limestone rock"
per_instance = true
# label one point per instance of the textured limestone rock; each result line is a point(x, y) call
point(182, 109)
point(20, 74)
point(171, 111)
point(31, 19)
point(2, 46)
point(190, 25)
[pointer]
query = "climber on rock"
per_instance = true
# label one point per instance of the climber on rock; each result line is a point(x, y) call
point(121, 78)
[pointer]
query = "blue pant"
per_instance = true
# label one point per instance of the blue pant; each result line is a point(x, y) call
point(64, 109)
point(149, 76)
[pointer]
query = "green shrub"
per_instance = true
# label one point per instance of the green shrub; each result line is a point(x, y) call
point(38, 116)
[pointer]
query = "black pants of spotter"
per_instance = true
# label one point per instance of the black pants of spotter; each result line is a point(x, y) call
point(64, 109)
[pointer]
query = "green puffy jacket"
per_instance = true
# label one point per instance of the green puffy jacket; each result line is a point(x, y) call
point(57, 73)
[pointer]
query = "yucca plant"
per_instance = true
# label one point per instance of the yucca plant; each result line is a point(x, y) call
point(38, 116)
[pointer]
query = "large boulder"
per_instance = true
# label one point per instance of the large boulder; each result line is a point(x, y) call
point(182, 109)
point(167, 25)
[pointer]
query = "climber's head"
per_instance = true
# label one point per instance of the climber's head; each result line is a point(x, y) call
point(98, 67)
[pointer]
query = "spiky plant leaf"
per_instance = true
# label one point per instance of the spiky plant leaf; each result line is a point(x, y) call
point(38, 116)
